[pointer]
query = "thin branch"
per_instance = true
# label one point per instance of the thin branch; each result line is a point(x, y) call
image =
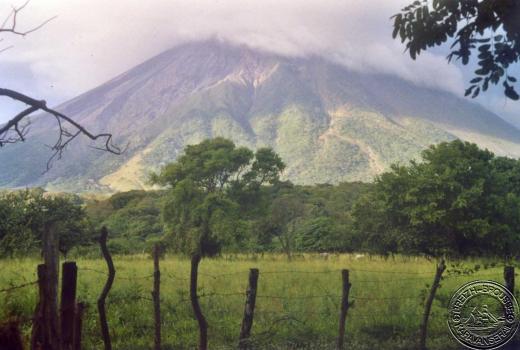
point(15, 130)
point(13, 27)
point(65, 137)
point(14, 17)
point(6, 48)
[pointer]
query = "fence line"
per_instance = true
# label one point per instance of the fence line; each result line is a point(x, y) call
point(298, 296)
point(6, 290)
point(346, 300)
point(389, 298)
point(130, 278)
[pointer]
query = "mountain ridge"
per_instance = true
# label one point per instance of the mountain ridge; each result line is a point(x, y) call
point(328, 123)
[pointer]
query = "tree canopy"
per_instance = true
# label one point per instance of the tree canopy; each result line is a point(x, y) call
point(489, 29)
point(25, 214)
point(460, 200)
point(207, 184)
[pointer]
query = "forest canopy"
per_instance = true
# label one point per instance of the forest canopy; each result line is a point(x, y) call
point(458, 200)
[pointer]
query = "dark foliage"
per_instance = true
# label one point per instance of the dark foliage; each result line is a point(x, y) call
point(488, 29)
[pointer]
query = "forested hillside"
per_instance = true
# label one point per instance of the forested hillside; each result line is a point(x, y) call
point(328, 123)
point(459, 200)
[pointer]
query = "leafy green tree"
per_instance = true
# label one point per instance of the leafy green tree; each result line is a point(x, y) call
point(15, 234)
point(286, 215)
point(460, 200)
point(25, 214)
point(133, 219)
point(320, 234)
point(487, 28)
point(202, 204)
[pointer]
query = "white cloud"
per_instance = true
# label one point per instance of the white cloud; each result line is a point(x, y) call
point(93, 40)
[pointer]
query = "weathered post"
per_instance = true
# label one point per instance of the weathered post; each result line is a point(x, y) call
point(249, 310)
point(509, 278)
point(78, 324)
point(424, 324)
point(40, 331)
point(106, 289)
point(68, 303)
point(203, 324)
point(51, 260)
point(344, 309)
point(38, 327)
point(156, 296)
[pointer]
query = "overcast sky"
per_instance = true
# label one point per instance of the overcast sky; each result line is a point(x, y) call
point(92, 41)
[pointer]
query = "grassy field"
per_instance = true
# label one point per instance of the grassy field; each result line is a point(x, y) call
point(297, 304)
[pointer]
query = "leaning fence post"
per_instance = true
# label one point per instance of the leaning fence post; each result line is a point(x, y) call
point(249, 310)
point(78, 323)
point(106, 289)
point(509, 277)
point(424, 324)
point(195, 305)
point(344, 309)
point(68, 303)
point(40, 326)
point(156, 296)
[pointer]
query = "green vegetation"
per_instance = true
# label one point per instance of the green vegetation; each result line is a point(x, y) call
point(227, 204)
point(325, 224)
point(208, 188)
point(329, 124)
point(460, 200)
point(133, 219)
point(25, 215)
point(386, 313)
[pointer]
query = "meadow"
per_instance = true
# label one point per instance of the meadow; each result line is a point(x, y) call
point(297, 304)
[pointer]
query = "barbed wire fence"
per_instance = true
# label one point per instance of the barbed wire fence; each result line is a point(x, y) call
point(282, 316)
point(347, 303)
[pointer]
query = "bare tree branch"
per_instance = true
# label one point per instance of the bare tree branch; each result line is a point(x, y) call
point(14, 131)
point(13, 17)
point(10, 24)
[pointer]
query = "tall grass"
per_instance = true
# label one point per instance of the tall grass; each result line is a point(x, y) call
point(297, 305)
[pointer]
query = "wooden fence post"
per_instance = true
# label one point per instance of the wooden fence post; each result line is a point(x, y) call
point(195, 305)
point(106, 289)
point(249, 310)
point(39, 331)
point(68, 303)
point(424, 324)
point(51, 259)
point(509, 277)
point(156, 296)
point(344, 309)
point(78, 324)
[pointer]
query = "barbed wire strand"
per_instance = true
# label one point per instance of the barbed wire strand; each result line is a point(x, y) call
point(5, 290)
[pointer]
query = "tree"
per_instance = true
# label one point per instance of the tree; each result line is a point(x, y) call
point(487, 28)
point(17, 128)
point(460, 200)
point(24, 215)
point(202, 205)
point(286, 214)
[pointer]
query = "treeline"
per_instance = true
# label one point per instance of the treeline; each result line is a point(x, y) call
point(459, 201)
point(287, 218)
point(26, 216)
